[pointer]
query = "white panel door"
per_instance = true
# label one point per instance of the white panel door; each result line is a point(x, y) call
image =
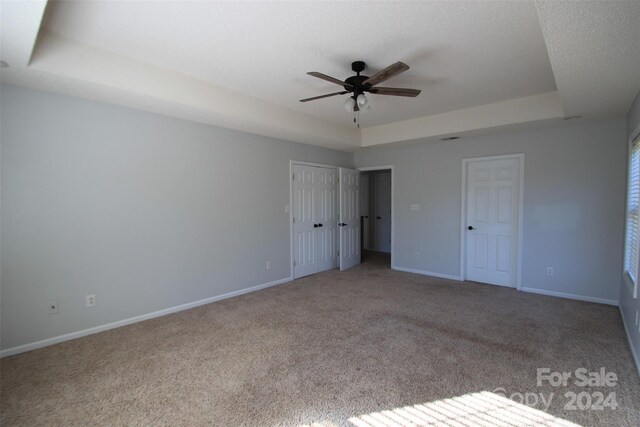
point(326, 218)
point(364, 210)
point(492, 203)
point(382, 236)
point(349, 218)
point(304, 211)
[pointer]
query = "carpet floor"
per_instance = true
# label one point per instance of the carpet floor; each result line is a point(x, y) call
point(365, 347)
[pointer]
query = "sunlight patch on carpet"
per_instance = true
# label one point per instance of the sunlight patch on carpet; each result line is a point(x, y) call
point(322, 424)
point(477, 409)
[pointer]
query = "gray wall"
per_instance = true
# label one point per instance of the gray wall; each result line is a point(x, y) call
point(150, 212)
point(574, 179)
point(145, 211)
point(629, 306)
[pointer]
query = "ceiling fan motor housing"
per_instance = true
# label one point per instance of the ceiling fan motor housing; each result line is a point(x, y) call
point(354, 83)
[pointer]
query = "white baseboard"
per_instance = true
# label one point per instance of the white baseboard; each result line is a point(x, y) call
point(426, 273)
point(569, 296)
point(73, 335)
point(633, 350)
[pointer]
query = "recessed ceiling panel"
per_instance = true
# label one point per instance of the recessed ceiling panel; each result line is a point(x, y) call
point(461, 54)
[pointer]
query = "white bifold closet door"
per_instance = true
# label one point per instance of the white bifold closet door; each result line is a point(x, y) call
point(349, 218)
point(315, 219)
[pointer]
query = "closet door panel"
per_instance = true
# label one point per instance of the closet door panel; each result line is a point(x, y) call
point(304, 210)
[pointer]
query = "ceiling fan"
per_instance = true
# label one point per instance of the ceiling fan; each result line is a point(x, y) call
point(357, 85)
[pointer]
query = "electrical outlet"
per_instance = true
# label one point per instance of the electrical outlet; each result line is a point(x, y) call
point(416, 255)
point(91, 300)
point(268, 265)
point(53, 307)
point(549, 271)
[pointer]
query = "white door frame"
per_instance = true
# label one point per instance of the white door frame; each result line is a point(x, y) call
point(463, 213)
point(290, 207)
point(393, 184)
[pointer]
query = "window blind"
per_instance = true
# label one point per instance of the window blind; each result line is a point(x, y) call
point(633, 213)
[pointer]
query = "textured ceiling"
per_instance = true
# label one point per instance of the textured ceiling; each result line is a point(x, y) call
point(481, 65)
point(595, 54)
point(461, 54)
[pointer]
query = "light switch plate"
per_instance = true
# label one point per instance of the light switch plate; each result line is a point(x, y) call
point(415, 207)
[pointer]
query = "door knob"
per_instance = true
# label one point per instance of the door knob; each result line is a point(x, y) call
point(470, 228)
point(319, 225)
point(378, 217)
point(315, 225)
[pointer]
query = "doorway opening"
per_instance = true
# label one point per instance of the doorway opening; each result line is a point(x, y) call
point(376, 216)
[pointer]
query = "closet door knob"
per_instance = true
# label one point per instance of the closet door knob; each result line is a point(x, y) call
point(315, 225)
point(319, 225)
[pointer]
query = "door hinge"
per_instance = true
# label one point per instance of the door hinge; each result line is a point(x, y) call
point(293, 177)
point(338, 253)
point(294, 262)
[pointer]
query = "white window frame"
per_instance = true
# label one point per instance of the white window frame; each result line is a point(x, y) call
point(632, 266)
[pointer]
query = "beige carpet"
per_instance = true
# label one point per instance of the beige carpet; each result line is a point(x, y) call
point(332, 349)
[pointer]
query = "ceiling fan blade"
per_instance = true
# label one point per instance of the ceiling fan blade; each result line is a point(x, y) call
point(387, 73)
point(397, 91)
point(324, 96)
point(328, 78)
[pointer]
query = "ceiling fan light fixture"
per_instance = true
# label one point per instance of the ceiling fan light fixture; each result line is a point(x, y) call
point(363, 102)
point(350, 104)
